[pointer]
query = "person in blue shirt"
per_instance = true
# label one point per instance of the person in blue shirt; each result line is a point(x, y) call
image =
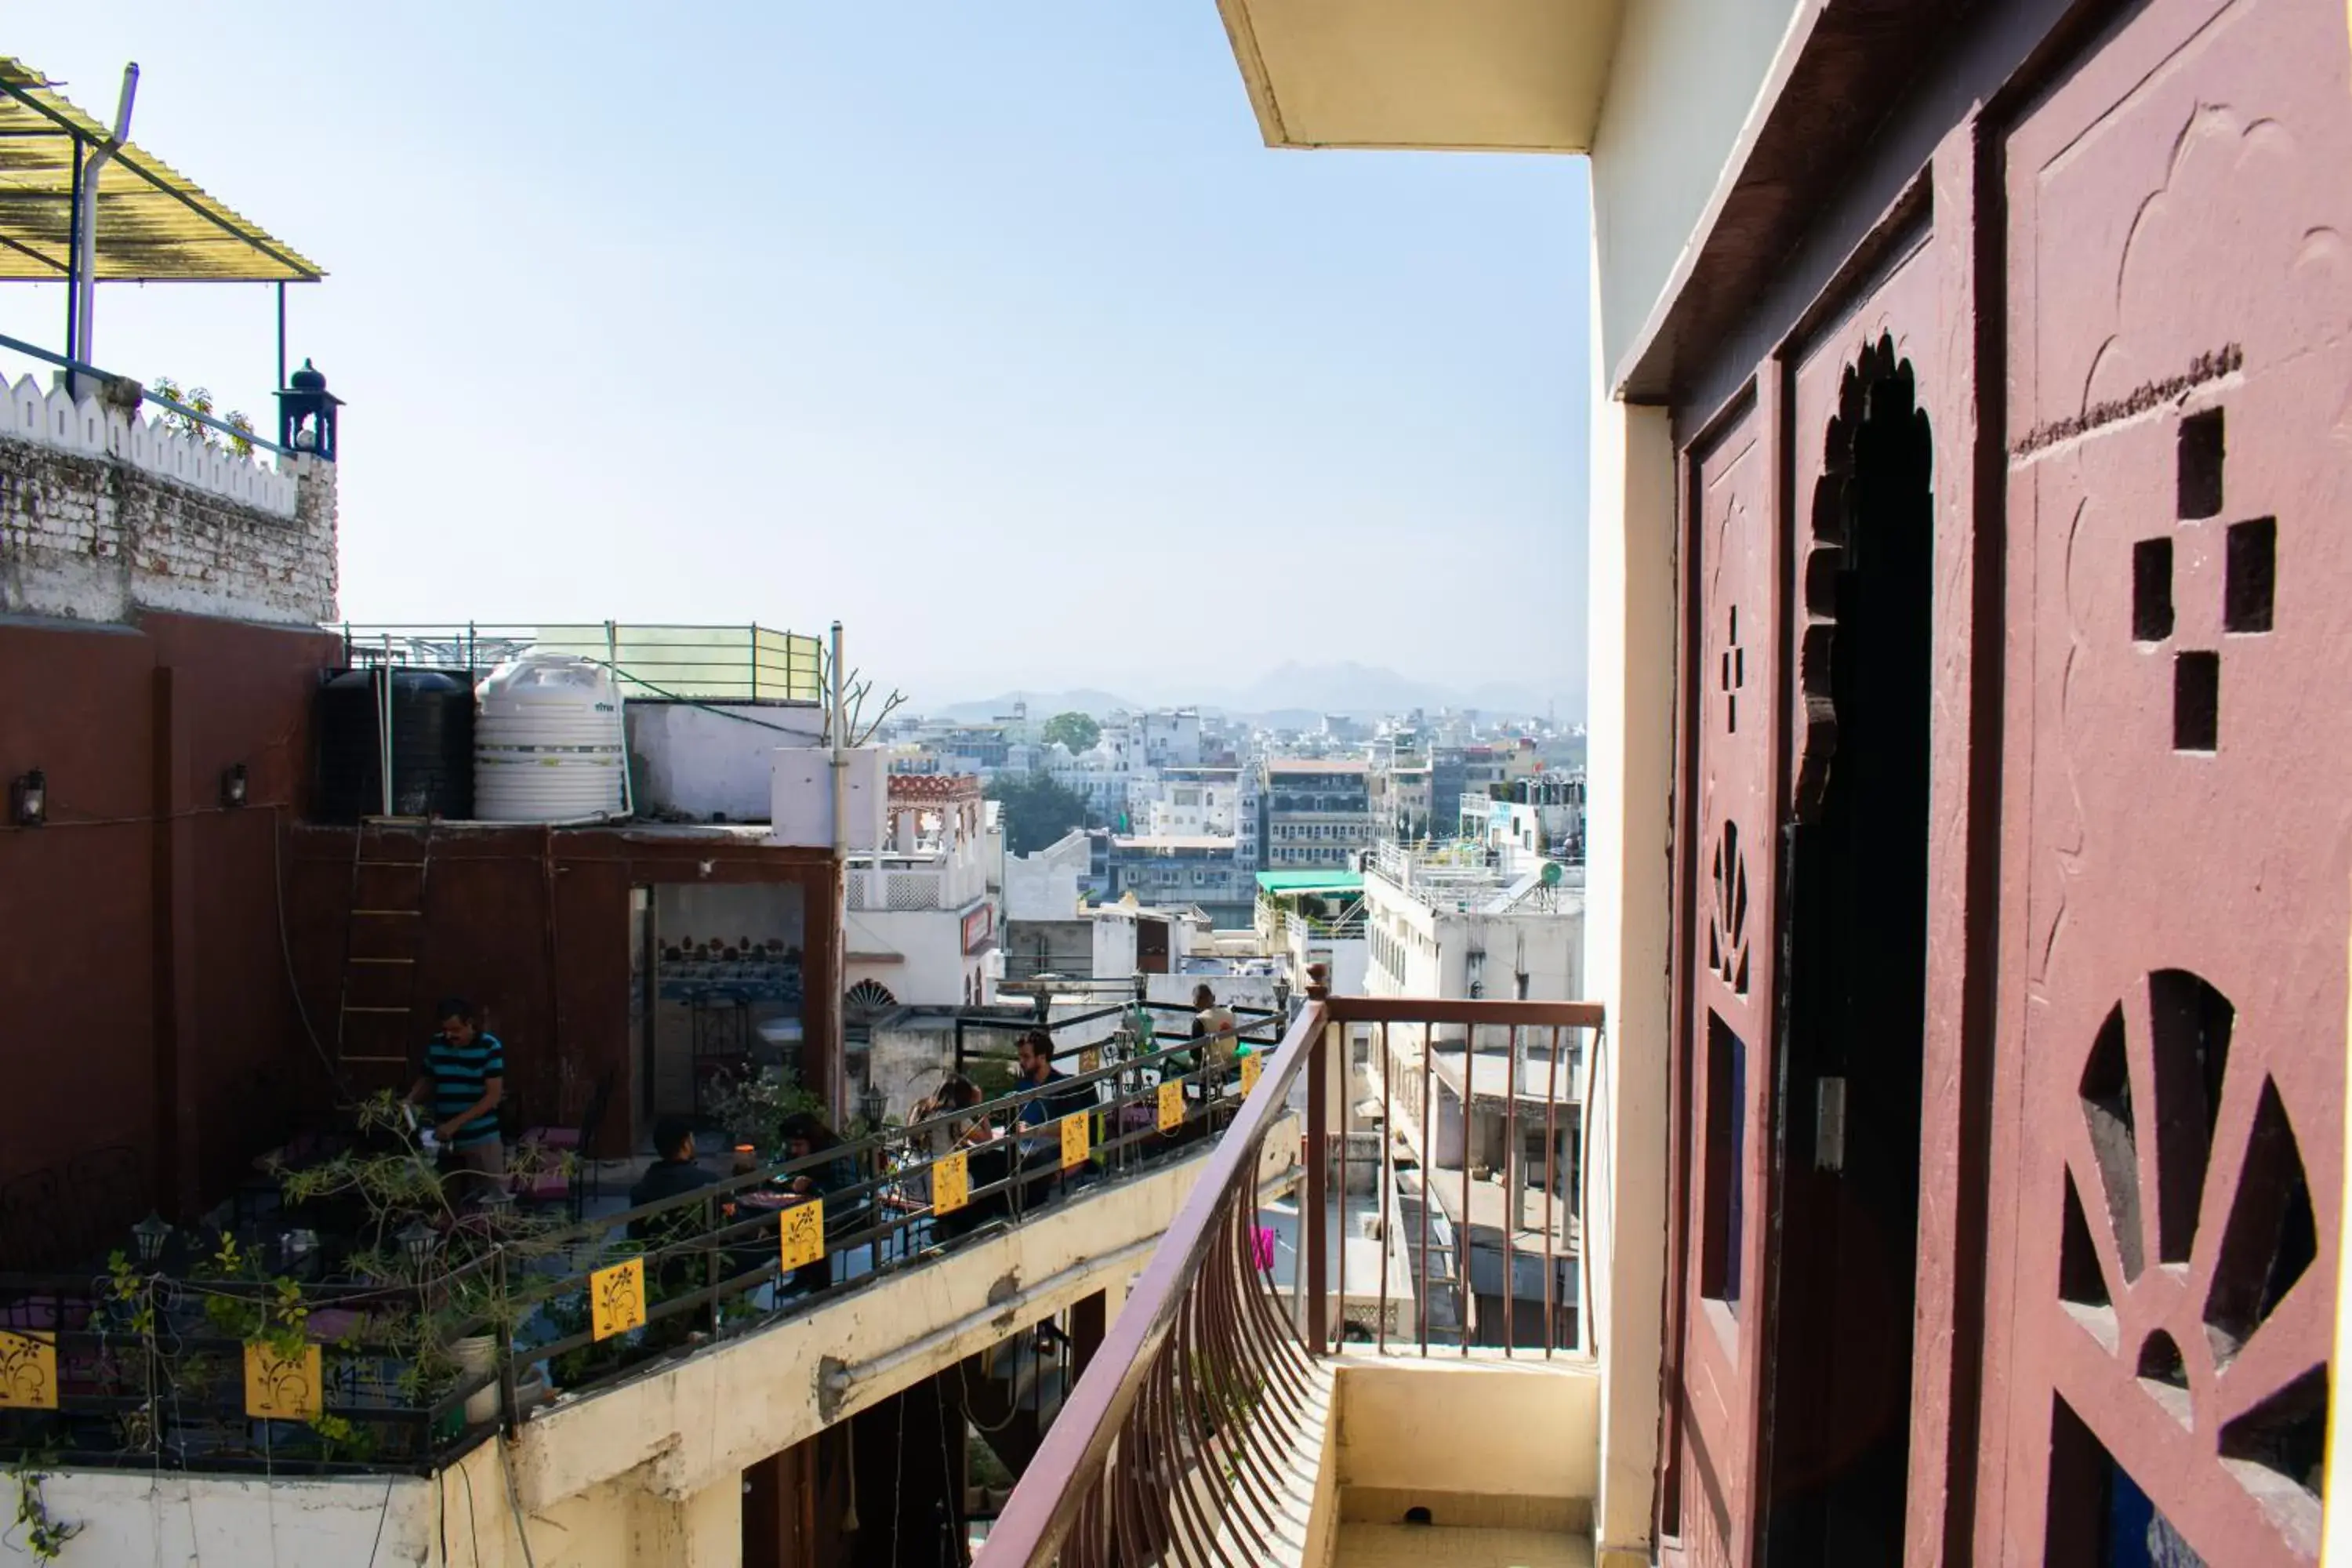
point(462, 1082)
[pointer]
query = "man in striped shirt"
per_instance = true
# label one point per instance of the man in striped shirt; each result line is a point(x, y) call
point(465, 1078)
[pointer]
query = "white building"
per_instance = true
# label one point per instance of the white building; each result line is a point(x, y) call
point(1446, 923)
point(922, 927)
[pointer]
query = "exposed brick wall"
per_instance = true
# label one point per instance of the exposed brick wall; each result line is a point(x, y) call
point(95, 538)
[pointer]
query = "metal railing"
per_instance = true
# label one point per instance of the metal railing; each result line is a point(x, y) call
point(747, 663)
point(234, 434)
point(140, 1362)
point(1172, 1448)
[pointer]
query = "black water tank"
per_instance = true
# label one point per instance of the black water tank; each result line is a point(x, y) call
point(431, 744)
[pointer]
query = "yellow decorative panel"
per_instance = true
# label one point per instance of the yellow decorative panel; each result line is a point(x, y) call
point(1076, 1139)
point(283, 1388)
point(29, 1372)
point(1171, 1107)
point(616, 1298)
point(951, 1183)
point(803, 1233)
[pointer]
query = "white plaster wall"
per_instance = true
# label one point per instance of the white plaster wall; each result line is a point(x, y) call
point(1681, 86)
point(1627, 908)
point(1473, 1426)
point(933, 966)
point(1044, 885)
point(716, 760)
point(175, 1521)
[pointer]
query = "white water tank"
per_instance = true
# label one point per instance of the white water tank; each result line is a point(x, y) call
point(548, 740)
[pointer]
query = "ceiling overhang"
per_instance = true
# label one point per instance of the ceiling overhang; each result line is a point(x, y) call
point(1519, 75)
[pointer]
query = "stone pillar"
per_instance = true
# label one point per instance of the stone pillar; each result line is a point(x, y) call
point(314, 514)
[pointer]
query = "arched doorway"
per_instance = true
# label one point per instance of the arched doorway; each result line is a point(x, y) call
point(1853, 1028)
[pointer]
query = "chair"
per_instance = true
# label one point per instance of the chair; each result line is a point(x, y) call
point(554, 1183)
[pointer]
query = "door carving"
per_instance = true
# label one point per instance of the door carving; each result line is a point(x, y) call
point(1732, 606)
point(2177, 847)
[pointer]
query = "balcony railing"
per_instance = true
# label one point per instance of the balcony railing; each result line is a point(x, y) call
point(400, 1342)
point(1172, 1448)
point(693, 663)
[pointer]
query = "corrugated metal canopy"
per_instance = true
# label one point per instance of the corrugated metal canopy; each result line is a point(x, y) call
point(154, 225)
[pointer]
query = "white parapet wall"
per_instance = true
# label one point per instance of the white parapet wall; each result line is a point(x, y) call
point(104, 513)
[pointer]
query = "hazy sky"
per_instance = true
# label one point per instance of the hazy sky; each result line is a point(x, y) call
point(992, 330)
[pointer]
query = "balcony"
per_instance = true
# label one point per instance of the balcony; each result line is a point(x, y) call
point(1237, 1415)
point(396, 1337)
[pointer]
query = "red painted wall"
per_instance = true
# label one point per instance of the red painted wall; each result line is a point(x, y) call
point(141, 971)
point(532, 926)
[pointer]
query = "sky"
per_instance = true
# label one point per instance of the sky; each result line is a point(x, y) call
point(994, 333)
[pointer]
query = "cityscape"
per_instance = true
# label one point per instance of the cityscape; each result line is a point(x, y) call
point(914, 804)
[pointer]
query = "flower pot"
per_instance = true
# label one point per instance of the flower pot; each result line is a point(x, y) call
point(476, 1356)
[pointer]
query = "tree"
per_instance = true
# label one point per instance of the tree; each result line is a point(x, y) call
point(1077, 730)
point(1038, 811)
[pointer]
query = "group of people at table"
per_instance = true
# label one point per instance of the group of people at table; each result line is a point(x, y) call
point(464, 1078)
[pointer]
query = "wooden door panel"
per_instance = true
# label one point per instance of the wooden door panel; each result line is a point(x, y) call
point(2180, 851)
point(1733, 608)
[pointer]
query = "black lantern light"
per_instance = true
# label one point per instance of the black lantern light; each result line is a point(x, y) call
point(233, 783)
point(29, 799)
point(418, 1240)
point(150, 1234)
point(874, 1105)
point(306, 413)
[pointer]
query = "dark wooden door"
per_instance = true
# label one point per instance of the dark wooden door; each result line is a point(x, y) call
point(1725, 987)
point(2176, 852)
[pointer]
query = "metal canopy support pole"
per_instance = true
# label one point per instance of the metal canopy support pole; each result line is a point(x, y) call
point(73, 264)
point(281, 334)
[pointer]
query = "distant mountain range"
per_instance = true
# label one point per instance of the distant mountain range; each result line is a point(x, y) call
point(1293, 696)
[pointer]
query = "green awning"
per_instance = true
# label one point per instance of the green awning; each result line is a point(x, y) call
point(1310, 882)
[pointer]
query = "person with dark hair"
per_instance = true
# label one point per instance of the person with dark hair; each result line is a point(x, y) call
point(1041, 1150)
point(462, 1082)
point(675, 1172)
point(806, 1135)
point(1213, 1022)
point(675, 1169)
point(988, 1158)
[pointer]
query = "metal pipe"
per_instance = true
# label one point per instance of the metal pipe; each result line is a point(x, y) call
point(837, 1069)
point(1469, 1244)
point(87, 263)
point(1512, 1161)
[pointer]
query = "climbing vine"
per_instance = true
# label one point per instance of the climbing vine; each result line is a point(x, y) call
point(43, 1537)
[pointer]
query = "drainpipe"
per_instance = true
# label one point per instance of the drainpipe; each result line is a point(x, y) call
point(838, 1090)
point(89, 259)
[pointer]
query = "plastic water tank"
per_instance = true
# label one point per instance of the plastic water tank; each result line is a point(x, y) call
point(431, 744)
point(548, 740)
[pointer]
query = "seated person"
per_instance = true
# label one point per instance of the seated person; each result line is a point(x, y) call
point(1040, 1115)
point(676, 1171)
point(989, 1161)
point(804, 1135)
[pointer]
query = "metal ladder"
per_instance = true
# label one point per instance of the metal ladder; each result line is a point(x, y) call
point(383, 948)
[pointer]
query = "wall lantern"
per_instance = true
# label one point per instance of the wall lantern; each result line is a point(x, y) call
point(233, 784)
point(874, 1104)
point(418, 1241)
point(150, 1234)
point(29, 799)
